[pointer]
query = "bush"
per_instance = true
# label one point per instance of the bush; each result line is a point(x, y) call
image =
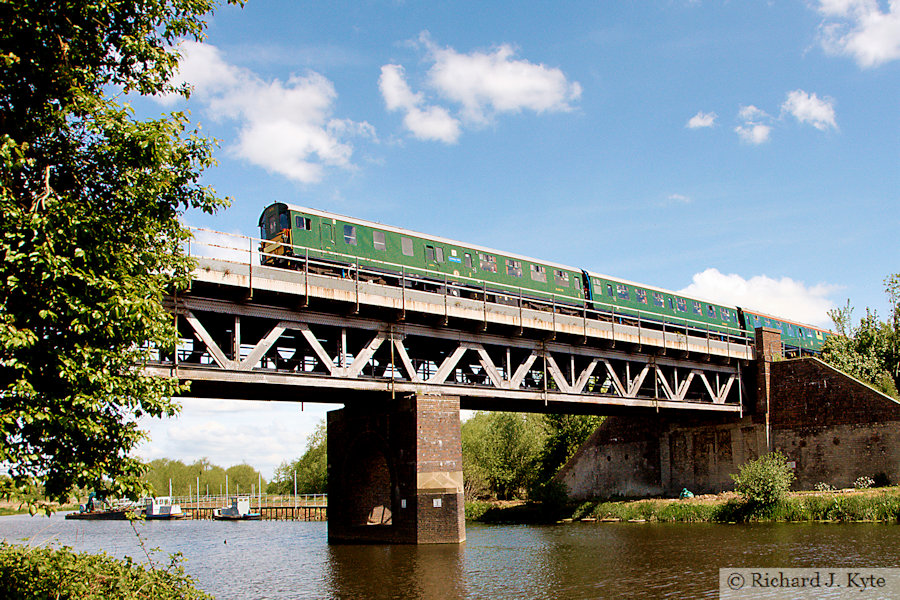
point(863, 482)
point(39, 572)
point(764, 481)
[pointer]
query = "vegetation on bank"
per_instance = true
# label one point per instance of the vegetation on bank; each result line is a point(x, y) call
point(761, 495)
point(880, 505)
point(60, 573)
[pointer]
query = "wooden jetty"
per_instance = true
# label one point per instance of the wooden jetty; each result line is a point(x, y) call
point(285, 508)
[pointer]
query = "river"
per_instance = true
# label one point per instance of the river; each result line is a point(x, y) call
point(291, 560)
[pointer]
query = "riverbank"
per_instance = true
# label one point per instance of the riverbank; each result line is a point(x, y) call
point(869, 505)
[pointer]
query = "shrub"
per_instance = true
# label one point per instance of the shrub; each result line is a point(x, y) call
point(764, 481)
point(863, 482)
point(824, 487)
point(60, 573)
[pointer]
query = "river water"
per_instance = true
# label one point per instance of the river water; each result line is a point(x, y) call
point(291, 559)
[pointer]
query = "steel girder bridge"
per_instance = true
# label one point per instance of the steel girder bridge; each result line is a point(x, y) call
point(321, 334)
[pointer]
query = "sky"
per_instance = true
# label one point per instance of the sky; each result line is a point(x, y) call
point(743, 152)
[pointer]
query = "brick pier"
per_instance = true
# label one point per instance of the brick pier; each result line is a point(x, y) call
point(395, 471)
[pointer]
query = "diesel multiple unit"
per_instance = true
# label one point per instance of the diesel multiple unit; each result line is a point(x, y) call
point(294, 236)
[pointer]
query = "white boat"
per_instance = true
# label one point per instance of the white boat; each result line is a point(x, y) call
point(238, 511)
point(162, 508)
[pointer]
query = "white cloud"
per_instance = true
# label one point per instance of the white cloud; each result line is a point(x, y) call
point(423, 121)
point(230, 432)
point(284, 127)
point(783, 297)
point(491, 82)
point(702, 119)
point(808, 108)
point(678, 199)
point(480, 84)
point(754, 130)
point(861, 29)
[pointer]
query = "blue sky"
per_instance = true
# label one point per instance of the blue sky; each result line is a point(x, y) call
point(746, 152)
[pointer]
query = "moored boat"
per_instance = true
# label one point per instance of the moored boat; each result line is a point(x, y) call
point(162, 508)
point(238, 511)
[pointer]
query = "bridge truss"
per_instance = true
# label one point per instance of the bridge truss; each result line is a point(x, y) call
point(239, 348)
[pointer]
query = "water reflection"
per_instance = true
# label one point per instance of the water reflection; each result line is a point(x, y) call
point(291, 560)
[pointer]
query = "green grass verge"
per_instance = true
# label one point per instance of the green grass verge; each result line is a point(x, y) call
point(881, 506)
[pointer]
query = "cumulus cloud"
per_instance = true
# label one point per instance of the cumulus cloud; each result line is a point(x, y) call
point(701, 120)
point(861, 29)
point(426, 122)
point(478, 86)
point(285, 127)
point(755, 128)
point(783, 297)
point(808, 108)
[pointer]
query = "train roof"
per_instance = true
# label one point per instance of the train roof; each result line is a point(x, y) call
point(410, 232)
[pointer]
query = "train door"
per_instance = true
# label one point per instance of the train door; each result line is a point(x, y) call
point(327, 236)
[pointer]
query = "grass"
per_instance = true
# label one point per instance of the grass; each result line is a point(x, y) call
point(882, 505)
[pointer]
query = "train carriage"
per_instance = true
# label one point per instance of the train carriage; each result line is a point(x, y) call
point(298, 237)
point(293, 234)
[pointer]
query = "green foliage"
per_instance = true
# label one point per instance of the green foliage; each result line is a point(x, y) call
point(212, 477)
point(90, 235)
point(764, 481)
point(564, 436)
point(501, 449)
point(28, 573)
point(311, 469)
point(869, 351)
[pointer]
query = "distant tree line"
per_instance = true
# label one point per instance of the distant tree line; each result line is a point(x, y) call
point(241, 478)
point(870, 349)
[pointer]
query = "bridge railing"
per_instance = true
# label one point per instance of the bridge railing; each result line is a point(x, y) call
point(251, 251)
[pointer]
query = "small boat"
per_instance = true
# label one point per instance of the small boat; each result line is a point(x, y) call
point(238, 511)
point(101, 510)
point(107, 514)
point(162, 508)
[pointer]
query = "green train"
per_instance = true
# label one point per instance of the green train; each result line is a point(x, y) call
point(297, 237)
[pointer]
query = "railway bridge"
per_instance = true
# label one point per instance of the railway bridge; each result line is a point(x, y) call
point(404, 359)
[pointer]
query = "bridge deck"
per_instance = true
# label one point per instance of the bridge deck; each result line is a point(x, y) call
point(360, 292)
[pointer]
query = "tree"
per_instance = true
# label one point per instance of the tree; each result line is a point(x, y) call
point(501, 449)
point(565, 435)
point(869, 351)
point(311, 469)
point(90, 233)
point(243, 478)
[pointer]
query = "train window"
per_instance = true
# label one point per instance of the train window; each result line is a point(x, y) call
point(598, 286)
point(726, 314)
point(561, 277)
point(439, 253)
point(406, 246)
point(378, 240)
point(302, 223)
point(539, 273)
point(640, 295)
point(513, 268)
point(622, 292)
point(711, 311)
point(468, 260)
point(350, 234)
point(284, 221)
point(429, 253)
point(488, 262)
point(698, 309)
point(671, 303)
point(609, 291)
point(682, 305)
point(658, 299)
